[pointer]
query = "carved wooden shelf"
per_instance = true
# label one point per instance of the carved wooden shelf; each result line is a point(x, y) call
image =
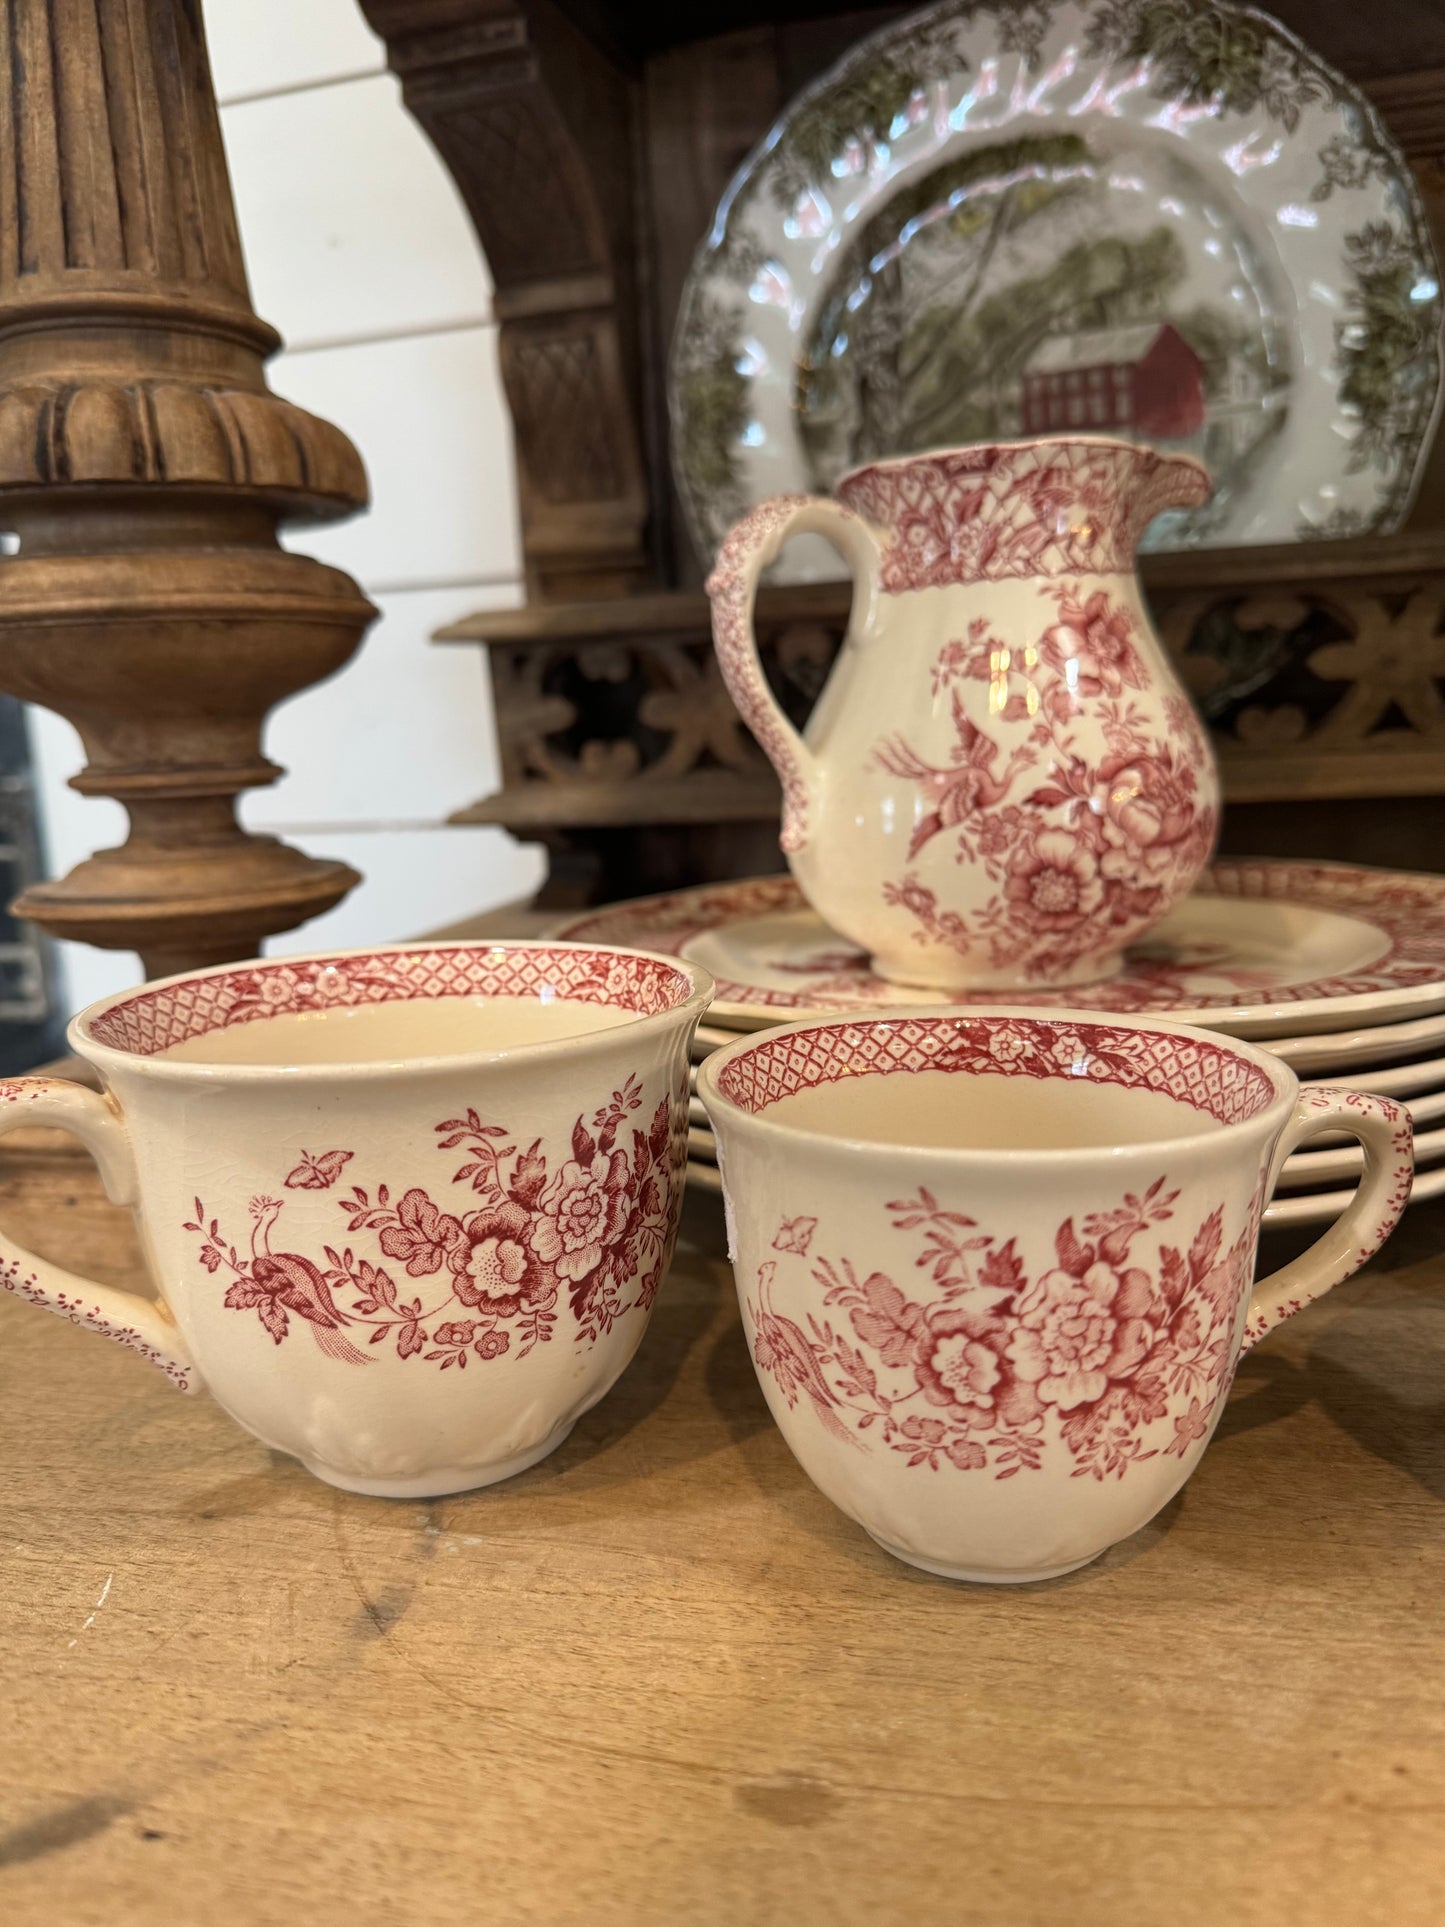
point(591, 141)
point(612, 713)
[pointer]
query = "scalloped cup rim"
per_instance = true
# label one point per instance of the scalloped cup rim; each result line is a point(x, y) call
point(80, 1031)
point(1271, 1115)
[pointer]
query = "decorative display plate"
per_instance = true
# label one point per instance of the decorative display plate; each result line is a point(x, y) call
point(1165, 219)
point(1262, 949)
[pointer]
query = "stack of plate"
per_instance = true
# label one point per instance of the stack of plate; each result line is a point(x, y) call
point(1337, 970)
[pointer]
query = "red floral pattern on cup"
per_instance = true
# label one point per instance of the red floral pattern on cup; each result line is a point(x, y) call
point(1079, 864)
point(1121, 1351)
point(1015, 509)
point(596, 1222)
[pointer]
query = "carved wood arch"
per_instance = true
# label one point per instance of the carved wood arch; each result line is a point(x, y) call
point(535, 127)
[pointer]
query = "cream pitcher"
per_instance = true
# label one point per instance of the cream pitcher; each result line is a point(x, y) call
point(1003, 783)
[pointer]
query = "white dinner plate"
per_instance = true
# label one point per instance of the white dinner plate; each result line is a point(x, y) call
point(1320, 1207)
point(1422, 1075)
point(1378, 1045)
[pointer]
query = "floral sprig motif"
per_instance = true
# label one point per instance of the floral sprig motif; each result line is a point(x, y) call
point(1084, 860)
point(598, 1224)
point(998, 1369)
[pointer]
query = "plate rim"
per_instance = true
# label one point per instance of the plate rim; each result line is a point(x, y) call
point(1294, 1020)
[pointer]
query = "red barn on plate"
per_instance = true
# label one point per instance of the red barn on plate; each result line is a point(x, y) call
point(1145, 381)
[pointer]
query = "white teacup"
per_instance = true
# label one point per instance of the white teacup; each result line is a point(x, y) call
point(995, 1267)
point(405, 1210)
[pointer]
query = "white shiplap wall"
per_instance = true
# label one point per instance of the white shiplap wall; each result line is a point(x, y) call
point(361, 254)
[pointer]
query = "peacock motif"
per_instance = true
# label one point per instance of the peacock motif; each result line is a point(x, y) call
point(594, 1225)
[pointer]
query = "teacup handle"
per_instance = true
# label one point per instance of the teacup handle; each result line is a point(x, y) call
point(1385, 1134)
point(733, 587)
point(146, 1326)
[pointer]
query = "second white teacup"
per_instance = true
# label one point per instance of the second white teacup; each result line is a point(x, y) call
point(996, 1268)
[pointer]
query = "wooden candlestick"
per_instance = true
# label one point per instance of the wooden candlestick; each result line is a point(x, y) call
point(145, 466)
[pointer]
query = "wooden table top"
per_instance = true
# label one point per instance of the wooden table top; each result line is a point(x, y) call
point(659, 1679)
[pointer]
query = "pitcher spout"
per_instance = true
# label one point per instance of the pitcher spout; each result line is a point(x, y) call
point(1161, 481)
point(1055, 505)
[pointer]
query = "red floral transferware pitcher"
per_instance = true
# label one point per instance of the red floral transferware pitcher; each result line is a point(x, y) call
point(1003, 783)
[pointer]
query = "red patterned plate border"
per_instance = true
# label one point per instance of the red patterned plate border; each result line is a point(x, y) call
point(1408, 907)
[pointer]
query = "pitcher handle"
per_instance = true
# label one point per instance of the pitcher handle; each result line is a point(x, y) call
point(1385, 1134)
point(142, 1323)
point(733, 587)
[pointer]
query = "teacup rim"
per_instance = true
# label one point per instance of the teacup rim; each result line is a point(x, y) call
point(80, 1032)
point(1268, 1119)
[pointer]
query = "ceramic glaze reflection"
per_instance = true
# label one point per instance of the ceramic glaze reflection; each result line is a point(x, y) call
point(384, 1033)
point(935, 1110)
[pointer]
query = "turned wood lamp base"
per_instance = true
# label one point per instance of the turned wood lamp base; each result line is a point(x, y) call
point(191, 917)
point(146, 467)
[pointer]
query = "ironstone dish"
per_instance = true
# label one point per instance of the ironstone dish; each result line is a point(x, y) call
point(1165, 219)
point(1313, 957)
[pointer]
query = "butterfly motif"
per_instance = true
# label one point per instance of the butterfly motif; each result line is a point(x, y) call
point(317, 1173)
point(795, 1235)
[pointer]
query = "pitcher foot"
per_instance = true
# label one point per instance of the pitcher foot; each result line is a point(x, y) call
point(909, 975)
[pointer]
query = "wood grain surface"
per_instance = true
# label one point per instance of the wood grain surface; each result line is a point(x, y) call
point(659, 1679)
